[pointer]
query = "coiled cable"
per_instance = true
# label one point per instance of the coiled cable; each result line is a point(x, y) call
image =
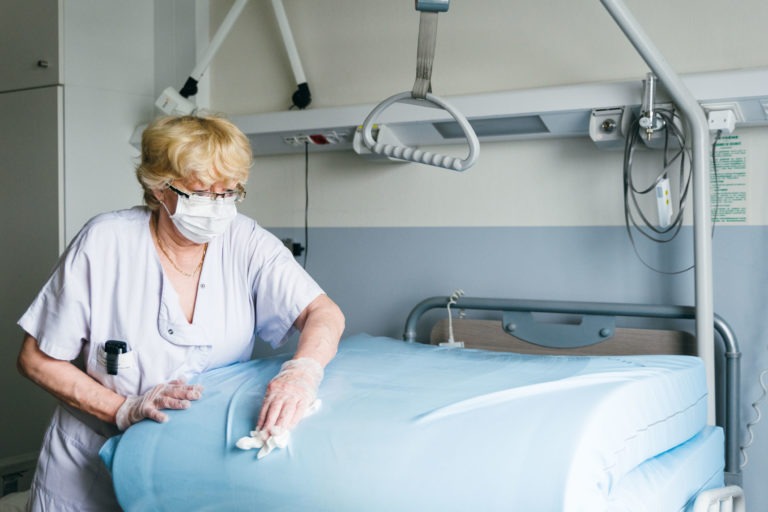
point(674, 153)
point(752, 423)
point(451, 301)
point(632, 192)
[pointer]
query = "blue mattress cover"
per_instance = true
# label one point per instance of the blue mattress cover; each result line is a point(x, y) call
point(670, 481)
point(417, 427)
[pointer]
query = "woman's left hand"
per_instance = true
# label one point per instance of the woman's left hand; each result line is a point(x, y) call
point(290, 394)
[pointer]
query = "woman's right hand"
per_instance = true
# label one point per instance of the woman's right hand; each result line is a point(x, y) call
point(173, 395)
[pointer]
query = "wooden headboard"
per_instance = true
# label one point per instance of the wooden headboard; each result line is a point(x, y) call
point(489, 335)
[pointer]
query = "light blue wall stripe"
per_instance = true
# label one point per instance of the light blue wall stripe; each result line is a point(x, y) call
point(377, 274)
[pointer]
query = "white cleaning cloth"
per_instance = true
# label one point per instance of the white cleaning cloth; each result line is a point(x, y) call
point(278, 439)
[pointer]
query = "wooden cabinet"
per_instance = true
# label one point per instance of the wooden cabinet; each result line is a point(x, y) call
point(30, 49)
point(30, 177)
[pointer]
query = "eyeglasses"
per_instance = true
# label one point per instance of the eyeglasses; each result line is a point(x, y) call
point(228, 196)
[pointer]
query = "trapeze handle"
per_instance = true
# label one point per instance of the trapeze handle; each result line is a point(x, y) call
point(416, 155)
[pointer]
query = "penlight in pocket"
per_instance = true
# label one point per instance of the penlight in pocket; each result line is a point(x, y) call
point(114, 348)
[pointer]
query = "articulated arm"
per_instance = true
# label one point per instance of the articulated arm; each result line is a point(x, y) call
point(172, 102)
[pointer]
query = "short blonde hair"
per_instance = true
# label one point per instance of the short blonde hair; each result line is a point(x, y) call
point(207, 148)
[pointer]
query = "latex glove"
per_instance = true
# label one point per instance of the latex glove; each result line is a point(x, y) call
point(289, 394)
point(174, 395)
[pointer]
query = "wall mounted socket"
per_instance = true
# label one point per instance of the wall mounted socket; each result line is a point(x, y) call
point(729, 105)
point(295, 247)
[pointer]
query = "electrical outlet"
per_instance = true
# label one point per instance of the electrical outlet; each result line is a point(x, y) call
point(316, 139)
point(723, 116)
point(608, 127)
point(295, 247)
point(297, 140)
point(722, 120)
point(726, 105)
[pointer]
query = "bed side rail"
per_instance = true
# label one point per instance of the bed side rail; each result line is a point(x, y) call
point(723, 499)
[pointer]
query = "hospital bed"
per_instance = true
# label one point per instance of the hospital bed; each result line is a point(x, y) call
point(415, 426)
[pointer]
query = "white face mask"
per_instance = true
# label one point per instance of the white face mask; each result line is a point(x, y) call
point(200, 219)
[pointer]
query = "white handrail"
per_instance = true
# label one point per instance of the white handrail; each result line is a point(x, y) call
point(729, 498)
point(416, 155)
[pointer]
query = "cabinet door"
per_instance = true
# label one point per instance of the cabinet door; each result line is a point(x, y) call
point(30, 168)
point(29, 44)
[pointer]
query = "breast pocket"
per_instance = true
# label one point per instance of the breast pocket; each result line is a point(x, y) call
point(118, 372)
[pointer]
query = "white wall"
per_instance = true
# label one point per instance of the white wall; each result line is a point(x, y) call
point(568, 182)
point(109, 89)
point(363, 51)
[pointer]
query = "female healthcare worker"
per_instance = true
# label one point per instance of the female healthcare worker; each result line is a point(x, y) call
point(145, 298)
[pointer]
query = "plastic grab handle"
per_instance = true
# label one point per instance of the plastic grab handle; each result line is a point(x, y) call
point(416, 155)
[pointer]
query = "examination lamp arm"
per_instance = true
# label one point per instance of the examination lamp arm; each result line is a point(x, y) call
point(189, 89)
point(172, 102)
point(302, 97)
point(177, 103)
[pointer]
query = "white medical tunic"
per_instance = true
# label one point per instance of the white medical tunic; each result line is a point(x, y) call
point(109, 285)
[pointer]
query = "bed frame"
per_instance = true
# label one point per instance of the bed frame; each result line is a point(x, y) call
point(598, 324)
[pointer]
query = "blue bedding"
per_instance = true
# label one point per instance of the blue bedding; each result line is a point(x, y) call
point(416, 427)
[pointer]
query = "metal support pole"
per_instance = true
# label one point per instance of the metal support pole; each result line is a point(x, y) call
point(702, 221)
